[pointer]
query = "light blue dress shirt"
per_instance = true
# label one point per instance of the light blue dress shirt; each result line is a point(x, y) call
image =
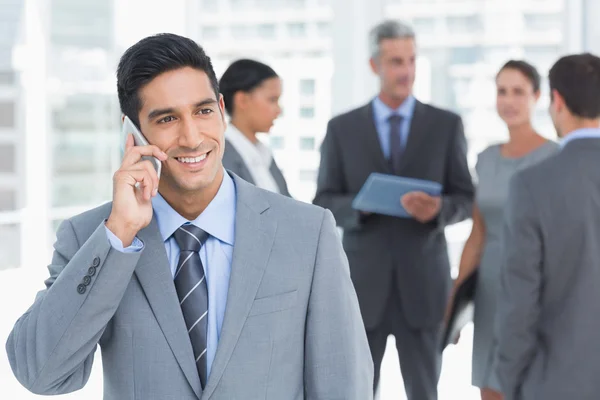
point(584, 133)
point(382, 112)
point(218, 220)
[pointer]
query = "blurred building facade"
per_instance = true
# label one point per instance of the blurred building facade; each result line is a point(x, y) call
point(60, 139)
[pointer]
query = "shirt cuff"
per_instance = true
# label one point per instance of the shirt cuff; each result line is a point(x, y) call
point(116, 243)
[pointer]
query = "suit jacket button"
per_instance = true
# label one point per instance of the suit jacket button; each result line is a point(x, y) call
point(92, 271)
point(87, 280)
point(96, 261)
point(81, 288)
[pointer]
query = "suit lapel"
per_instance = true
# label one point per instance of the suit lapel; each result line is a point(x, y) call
point(416, 134)
point(157, 282)
point(370, 138)
point(254, 235)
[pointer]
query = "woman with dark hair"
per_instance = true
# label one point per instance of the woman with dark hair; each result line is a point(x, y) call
point(251, 92)
point(517, 92)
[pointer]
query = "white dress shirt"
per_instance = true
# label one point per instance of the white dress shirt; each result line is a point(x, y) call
point(257, 157)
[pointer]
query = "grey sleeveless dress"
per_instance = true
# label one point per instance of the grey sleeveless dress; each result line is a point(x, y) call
point(494, 172)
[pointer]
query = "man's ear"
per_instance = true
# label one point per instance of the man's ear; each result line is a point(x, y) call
point(556, 100)
point(222, 106)
point(374, 65)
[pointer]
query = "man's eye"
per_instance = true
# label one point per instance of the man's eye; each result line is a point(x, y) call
point(166, 119)
point(205, 111)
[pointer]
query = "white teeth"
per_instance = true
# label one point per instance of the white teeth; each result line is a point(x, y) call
point(191, 160)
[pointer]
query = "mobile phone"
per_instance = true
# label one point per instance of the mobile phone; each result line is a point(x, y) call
point(139, 140)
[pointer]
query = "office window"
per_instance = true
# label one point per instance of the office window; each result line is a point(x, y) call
point(297, 30)
point(308, 175)
point(307, 143)
point(7, 114)
point(324, 29)
point(211, 5)
point(82, 189)
point(542, 22)
point(465, 55)
point(210, 32)
point(277, 142)
point(468, 24)
point(307, 112)
point(85, 113)
point(241, 31)
point(7, 158)
point(8, 200)
point(10, 246)
point(7, 77)
point(266, 31)
point(424, 25)
point(307, 87)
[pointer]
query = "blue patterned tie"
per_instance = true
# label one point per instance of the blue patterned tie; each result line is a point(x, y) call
point(192, 291)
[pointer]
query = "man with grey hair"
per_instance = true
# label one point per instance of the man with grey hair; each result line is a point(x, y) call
point(399, 266)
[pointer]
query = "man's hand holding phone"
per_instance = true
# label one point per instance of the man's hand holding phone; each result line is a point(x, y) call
point(134, 185)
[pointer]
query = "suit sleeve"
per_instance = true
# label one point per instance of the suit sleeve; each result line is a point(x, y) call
point(338, 362)
point(331, 191)
point(457, 199)
point(51, 347)
point(521, 280)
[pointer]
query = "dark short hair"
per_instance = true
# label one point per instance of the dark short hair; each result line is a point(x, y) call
point(527, 70)
point(243, 75)
point(577, 78)
point(152, 56)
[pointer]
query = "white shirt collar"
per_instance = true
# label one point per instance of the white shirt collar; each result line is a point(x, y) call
point(257, 157)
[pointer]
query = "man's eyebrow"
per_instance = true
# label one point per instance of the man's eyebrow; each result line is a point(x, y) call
point(163, 111)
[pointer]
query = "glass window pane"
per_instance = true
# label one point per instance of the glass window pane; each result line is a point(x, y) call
point(10, 246)
point(307, 112)
point(8, 200)
point(277, 142)
point(307, 87)
point(7, 114)
point(7, 77)
point(307, 143)
point(266, 31)
point(7, 158)
point(297, 30)
point(210, 32)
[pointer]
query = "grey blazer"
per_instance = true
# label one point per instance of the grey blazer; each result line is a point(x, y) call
point(548, 328)
point(233, 161)
point(292, 327)
point(384, 249)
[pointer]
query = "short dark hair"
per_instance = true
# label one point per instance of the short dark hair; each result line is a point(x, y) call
point(152, 56)
point(527, 70)
point(243, 75)
point(577, 78)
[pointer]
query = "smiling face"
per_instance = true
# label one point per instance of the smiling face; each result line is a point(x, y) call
point(515, 97)
point(182, 116)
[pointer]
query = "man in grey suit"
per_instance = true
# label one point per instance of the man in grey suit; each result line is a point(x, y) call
point(195, 284)
point(547, 324)
point(399, 267)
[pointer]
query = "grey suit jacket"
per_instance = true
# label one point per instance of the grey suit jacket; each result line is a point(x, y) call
point(384, 249)
point(233, 161)
point(292, 327)
point(548, 328)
